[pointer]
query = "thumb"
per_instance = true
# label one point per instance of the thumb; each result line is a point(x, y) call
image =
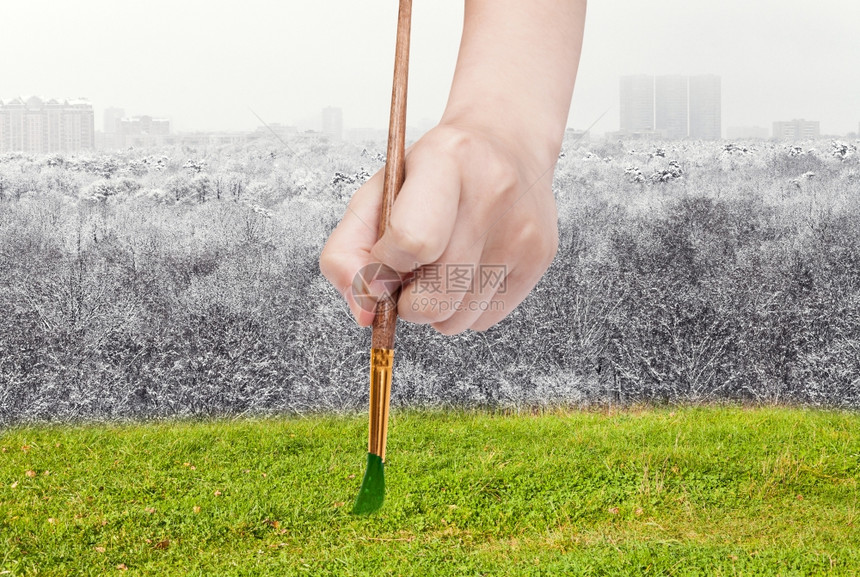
point(348, 248)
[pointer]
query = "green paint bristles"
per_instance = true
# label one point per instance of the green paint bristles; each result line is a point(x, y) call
point(372, 492)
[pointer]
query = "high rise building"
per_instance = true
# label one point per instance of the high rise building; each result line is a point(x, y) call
point(143, 125)
point(37, 126)
point(705, 107)
point(110, 137)
point(141, 131)
point(112, 116)
point(671, 106)
point(637, 104)
point(12, 125)
point(797, 129)
point(332, 122)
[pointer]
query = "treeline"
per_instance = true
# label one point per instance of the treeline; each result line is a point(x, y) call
point(736, 277)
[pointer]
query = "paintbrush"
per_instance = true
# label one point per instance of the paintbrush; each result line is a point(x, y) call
point(372, 492)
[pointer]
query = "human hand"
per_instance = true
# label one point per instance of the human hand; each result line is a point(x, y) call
point(472, 231)
point(477, 200)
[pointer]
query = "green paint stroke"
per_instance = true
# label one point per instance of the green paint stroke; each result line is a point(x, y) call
point(372, 492)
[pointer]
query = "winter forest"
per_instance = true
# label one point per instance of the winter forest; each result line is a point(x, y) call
point(184, 282)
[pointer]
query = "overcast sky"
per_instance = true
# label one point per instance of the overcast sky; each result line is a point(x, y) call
point(204, 64)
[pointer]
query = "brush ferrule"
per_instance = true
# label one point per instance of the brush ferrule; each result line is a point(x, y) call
point(381, 369)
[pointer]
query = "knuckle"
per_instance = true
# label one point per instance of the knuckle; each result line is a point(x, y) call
point(531, 235)
point(456, 144)
point(539, 241)
point(413, 244)
point(502, 176)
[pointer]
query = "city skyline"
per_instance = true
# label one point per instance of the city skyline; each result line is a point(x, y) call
point(661, 109)
point(207, 66)
point(669, 119)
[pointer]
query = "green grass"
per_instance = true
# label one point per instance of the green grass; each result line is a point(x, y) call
point(694, 491)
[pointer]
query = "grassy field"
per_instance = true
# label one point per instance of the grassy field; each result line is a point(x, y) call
point(685, 491)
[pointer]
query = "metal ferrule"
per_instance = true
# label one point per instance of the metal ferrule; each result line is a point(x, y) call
point(381, 369)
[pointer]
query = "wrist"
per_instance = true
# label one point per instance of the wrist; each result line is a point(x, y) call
point(515, 73)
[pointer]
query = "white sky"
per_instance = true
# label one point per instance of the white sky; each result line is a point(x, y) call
point(204, 64)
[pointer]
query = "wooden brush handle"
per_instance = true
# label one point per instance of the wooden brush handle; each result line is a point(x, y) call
point(385, 322)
